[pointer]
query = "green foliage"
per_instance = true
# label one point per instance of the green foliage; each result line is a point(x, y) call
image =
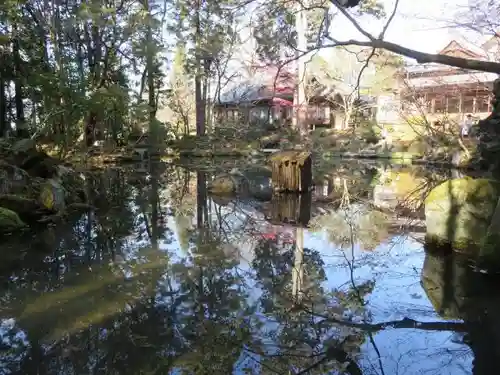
point(71, 66)
point(372, 7)
point(275, 29)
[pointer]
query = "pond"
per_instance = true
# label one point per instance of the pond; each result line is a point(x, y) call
point(161, 277)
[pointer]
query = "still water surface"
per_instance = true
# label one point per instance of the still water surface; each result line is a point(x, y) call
point(162, 278)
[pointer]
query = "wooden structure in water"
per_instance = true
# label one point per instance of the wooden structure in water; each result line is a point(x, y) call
point(294, 209)
point(291, 171)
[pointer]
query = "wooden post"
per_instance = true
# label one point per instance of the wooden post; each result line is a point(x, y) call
point(291, 171)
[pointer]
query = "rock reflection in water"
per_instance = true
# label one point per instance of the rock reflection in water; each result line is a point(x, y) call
point(458, 292)
point(164, 278)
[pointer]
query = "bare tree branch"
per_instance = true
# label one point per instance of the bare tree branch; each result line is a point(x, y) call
point(420, 57)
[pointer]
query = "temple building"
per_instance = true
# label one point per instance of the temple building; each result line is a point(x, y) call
point(439, 90)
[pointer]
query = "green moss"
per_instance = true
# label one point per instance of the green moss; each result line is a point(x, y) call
point(458, 213)
point(438, 245)
point(465, 190)
point(9, 220)
point(490, 251)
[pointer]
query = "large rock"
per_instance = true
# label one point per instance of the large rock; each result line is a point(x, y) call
point(24, 145)
point(25, 207)
point(9, 220)
point(223, 185)
point(38, 164)
point(254, 182)
point(233, 183)
point(13, 180)
point(459, 211)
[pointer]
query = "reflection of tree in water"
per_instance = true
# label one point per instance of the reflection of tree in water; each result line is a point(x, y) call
point(273, 265)
point(213, 310)
point(353, 224)
point(302, 340)
point(84, 310)
point(75, 307)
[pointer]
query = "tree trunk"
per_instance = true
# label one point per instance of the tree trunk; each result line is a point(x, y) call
point(348, 108)
point(3, 107)
point(206, 104)
point(301, 103)
point(153, 128)
point(21, 125)
point(201, 199)
point(200, 105)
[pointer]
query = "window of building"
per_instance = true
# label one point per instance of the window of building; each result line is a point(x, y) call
point(482, 103)
point(415, 103)
point(254, 114)
point(312, 111)
point(323, 112)
point(327, 112)
point(440, 104)
point(468, 104)
point(422, 102)
point(453, 104)
point(276, 113)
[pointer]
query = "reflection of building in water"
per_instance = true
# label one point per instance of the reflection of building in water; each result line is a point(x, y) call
point(344, 182)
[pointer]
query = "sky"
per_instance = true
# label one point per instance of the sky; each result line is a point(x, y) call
point(417, 24)
point(420, 25)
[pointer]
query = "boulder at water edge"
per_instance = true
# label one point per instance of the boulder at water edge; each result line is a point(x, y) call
point(459, 211)
point(233, 183)
point(222, 185)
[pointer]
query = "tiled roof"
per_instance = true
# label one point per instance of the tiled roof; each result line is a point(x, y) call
point(421, 82)
point(264, 85)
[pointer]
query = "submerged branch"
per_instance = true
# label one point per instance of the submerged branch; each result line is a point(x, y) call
point(405, 323)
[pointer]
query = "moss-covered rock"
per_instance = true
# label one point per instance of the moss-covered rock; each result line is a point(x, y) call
point(16, 202)
point(13, 180)
point(9, 220)
point(24, 145)
point(459, 212)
